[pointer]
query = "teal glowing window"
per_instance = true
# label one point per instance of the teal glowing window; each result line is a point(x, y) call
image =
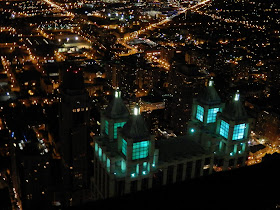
point(224, 129)
point(123, 166)
point(212, 113)
point(106, 127)
point(124, 147)
point(96, 147)
point(116, 126)
point(199, 113)
point(238, 131)
point(100, 152)
point(108, 164)
point(140, 150)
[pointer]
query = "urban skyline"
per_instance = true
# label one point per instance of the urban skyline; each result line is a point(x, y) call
point(110, 101)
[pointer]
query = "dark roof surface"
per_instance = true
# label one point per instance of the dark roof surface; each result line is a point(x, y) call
point(178, 147)
point(117, 109)
point(209, 95)
point(73, 79)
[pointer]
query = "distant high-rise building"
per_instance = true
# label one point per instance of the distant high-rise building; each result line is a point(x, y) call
point(184, 82)
point(73, 135)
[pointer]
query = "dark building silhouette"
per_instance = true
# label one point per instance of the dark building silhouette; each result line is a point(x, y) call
point(73, 136)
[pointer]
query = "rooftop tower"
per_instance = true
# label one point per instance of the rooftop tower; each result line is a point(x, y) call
point(114, 116)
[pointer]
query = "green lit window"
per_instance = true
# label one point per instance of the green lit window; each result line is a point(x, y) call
point(123, 166)
point(238, 131)
point(199, 113)
point(96, 147)
point(108, 164)
point(100, 152)
point(116, 126)
point(140, 150)
point(212, 113)
point(124, 147)
point(106, 127)
point(224, 129)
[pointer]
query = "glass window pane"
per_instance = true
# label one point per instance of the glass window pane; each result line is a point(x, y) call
point(212, 113)
point(106, 126)
point(239, 131)
point(116, 126)
point(140, 150)
point(224, 129)
point(124, 147)
point(199, 113)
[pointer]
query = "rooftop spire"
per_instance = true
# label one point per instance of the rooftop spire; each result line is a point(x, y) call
point(209, 94)
point(234, 109)
point(117, 109)
point(136, 128)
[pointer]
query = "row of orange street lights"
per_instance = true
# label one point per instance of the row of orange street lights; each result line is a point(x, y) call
point(135, 34)
point(162, 63)
point(229, 20)
point(11, 76)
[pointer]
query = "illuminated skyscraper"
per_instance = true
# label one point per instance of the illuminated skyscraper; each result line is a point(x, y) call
point(127, 160)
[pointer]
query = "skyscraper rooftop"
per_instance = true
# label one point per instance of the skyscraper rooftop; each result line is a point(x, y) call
point(178, 147)
point(73, 79)
point(117, 109)
point(209, 94)
point(136, 128)
point(234, 109)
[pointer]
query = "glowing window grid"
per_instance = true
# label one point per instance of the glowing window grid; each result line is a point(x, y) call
point(106, 126)
point(116, 126)
point(224, 129)
point(238, 131)
point(140, 150)
point(212, 113)
point(199, 113)
point(124, 147)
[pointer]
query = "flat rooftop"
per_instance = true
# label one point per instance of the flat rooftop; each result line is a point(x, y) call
point(178, 147)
